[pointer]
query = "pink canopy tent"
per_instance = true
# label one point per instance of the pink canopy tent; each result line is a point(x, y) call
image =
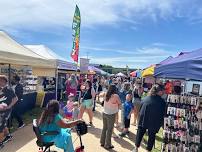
point(133, 74)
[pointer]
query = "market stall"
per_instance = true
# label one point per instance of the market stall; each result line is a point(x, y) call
point(186, 66)
point(17, 59)
point(58, 75)
point(148, 76)
point(182, 123)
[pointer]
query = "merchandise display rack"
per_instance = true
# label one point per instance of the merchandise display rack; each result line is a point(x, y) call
point(182, 124)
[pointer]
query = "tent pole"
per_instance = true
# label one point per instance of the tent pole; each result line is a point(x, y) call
point(56, 83)
point(9, 75)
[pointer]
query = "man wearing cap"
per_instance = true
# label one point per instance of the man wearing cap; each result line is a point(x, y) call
point(7, 101)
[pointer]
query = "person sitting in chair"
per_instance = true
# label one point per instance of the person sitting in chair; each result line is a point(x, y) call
point(51, 120)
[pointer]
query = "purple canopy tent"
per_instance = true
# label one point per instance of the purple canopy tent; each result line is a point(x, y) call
point(92, 68)
point(166, 60)
point(97, 70)
point(185, 66)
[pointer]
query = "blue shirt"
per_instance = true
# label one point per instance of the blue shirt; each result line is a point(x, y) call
point(128, 107)
point(110, 82)
point(122, 95)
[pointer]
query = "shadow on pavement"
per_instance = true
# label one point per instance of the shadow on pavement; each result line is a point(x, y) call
point(95, 131)
point(20, 138)
point(123, 143)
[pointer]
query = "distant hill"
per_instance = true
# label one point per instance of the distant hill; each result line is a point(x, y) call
point(112, 70)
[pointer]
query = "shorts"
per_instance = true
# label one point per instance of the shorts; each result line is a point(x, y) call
point(137, 104)
point(126, 122)
point(87, 103)
point(4, 116)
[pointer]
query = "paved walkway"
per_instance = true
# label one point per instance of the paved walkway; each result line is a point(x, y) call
point(24, 139)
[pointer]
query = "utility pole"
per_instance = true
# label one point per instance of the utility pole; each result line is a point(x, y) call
point(87, 53)
point(127, 70)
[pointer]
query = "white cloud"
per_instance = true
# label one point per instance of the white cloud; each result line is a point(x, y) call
point(132, 62)
point(139, 58)
point(159, 44)
point(148, 51)
point(35, 14)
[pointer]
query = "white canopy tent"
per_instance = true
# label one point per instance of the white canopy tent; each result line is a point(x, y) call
point(47, 53)
point(120, 75)
point(11, 52)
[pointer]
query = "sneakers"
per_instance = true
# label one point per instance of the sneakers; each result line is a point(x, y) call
point(8, 138)
point(135, 149)
point(90, 124)
point(21, 126)
point(123, 134)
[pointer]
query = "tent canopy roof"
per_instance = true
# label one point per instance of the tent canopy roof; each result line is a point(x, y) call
point(148, 71)
point(97, 70)
point(120, 74)
point(44, 51)
point(14, 53)
point(47, 53)
point(185, 66)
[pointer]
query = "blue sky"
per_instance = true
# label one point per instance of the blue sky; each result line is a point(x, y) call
point(115, 32)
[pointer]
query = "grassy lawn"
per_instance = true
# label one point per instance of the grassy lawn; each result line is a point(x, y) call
point(28, 117)
point(158, 142)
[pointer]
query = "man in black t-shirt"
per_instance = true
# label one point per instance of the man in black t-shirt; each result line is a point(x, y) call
point(7, 101)
point(18, 89)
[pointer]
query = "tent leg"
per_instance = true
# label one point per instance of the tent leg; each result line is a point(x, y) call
point(56, 84)
point(9, 75)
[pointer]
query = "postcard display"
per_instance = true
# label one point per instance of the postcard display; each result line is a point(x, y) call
point(182, 124)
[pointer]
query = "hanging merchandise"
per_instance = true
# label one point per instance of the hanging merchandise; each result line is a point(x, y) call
point(182, 124)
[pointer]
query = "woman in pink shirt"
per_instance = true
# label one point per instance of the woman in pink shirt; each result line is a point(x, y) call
point(112, 104)
point(71, 85)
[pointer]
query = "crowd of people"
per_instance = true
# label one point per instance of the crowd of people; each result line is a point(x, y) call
point(120, 95)
point(116, 95)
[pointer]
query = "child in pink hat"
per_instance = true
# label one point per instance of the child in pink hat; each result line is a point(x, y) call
point(68, 109)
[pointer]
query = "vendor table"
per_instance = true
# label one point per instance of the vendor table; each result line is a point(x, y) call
point(28, 102)
point(48, 96)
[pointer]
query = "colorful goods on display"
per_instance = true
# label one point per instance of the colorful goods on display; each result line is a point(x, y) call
point(182, 124)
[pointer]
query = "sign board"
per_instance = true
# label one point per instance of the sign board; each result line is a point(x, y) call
point(84, 63)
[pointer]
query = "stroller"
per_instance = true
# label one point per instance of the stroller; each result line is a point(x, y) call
point(81, 129)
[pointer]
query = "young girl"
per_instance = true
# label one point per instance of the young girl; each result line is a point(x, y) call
point(68, 109)
point(75, 111)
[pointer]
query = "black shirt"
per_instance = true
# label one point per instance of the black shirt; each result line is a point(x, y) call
point(152, 113)
point(87, 95)
point(6, 96)
point(19, 91)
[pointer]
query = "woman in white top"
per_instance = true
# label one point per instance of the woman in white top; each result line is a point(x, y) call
point(111, 107)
